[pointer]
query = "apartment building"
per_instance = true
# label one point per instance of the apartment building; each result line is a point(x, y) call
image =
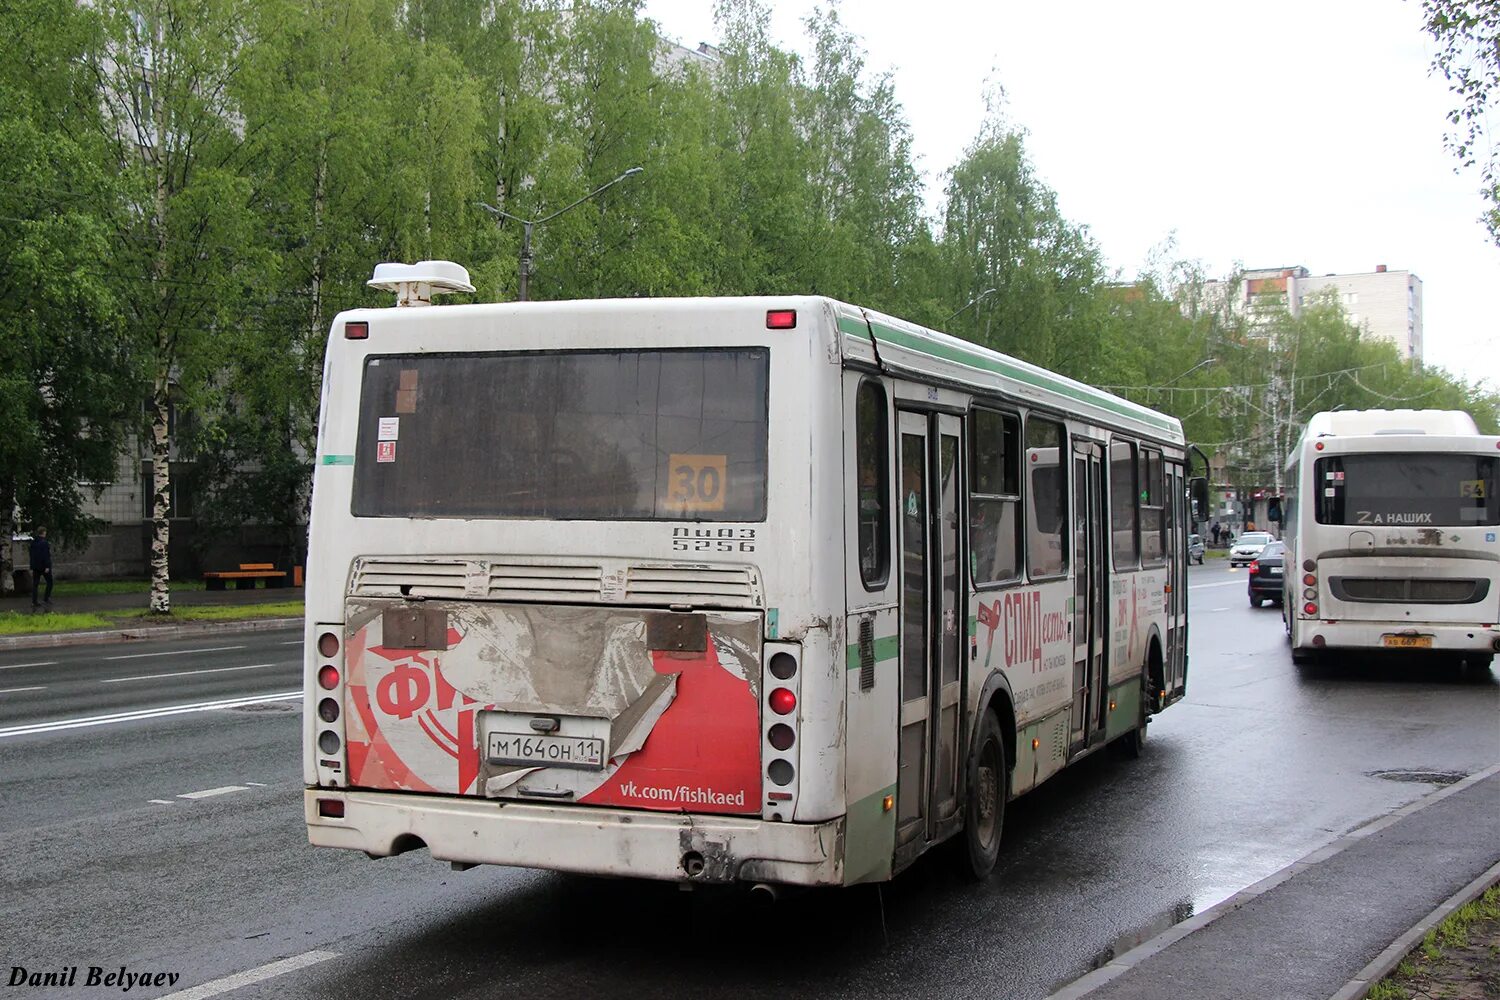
point(1384, 303)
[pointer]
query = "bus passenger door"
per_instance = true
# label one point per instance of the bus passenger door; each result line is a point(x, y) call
point(931, 632)
point(1090, 585)
point(1177, 576)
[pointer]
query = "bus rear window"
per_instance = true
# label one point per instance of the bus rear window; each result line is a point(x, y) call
point(1419, 489)
point(571, 435)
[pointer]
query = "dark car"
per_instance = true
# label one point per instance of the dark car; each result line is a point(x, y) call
point(1267, 573)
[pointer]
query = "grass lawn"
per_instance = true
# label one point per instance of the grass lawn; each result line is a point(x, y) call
point(1460, 957)
point(26, 623)
point(214, 613)
point(80, 588)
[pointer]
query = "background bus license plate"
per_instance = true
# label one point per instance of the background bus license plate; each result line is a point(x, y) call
point(1408, 641)
point(546, 751)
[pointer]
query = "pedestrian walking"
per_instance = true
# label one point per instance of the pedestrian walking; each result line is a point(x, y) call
point(1217, 529)
point(41, 565)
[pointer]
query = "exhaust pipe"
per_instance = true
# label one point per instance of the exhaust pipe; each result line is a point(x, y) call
point(763, 892)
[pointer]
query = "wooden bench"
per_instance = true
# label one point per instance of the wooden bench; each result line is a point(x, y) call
point(244, 578)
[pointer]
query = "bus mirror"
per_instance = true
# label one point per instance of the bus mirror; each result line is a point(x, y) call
point(1198, 494)
point(1273, 509)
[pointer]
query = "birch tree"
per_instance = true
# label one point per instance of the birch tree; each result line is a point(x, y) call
point(165, 77)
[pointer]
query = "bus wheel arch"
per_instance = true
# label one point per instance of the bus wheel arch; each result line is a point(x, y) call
point(987, 784)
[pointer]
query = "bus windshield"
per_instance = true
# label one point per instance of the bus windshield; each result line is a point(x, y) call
point(1442, 490)
point(568, 435)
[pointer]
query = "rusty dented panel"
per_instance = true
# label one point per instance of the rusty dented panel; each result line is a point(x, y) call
point(681, 724)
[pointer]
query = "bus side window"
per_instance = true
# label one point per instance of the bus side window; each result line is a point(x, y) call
point(872, 467)
point(1153, 493)
point(994, 496)
point(1047, 510)
point(1122, 503)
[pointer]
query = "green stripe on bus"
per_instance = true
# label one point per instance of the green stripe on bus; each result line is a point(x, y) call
point(886, 648)
point(338, 459)
point(1002, 366)
point(852, 326)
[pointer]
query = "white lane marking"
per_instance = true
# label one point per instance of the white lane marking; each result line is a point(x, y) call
point(190, 673)
point(251, 976)
point(211, 792)
point(1218, 609)
point(160, 802)
point(256, 784)
point(15, 690)
point(290, 642)
point(39, 663)
point(175, 652)
point(145, 713)
point(1226, 583)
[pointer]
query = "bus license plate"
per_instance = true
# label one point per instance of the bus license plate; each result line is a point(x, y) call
point(1408, 641)
point(546, 751)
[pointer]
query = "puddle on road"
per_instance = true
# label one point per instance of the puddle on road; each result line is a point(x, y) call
point(1142, 934)
point(1420, 777)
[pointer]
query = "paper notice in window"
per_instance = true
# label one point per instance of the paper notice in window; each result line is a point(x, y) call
point(390, 428)
point(696, 482)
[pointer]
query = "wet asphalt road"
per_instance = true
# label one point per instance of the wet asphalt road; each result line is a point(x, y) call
point(1259, 766)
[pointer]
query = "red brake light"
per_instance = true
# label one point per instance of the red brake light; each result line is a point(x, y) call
point(328, 677)
point(1254, 566)
point(331, 807)
point(356, 330)
point(1309, 580)
point(1309, 608)
point(1318, 446)
point(782, 701)
point(781, 319)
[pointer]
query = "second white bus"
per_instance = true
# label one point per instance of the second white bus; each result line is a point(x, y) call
point(1391, 532)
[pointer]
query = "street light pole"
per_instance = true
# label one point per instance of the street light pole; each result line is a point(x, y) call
point(523, 288)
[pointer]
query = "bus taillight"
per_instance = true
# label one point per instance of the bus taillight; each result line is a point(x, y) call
point(781, 730)
point(1309, 608)
point(328, 644)
point(1309, 580)
point(328, 677)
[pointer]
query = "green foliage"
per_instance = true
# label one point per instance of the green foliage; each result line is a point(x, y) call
point(65, 385)
point(191, 191)
point(1468, 36)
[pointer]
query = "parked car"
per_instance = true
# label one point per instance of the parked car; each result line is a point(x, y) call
point(1268, 575)
point(1247, 547)
point(1195, 549)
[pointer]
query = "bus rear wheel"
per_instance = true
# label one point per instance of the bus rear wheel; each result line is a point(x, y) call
point(989, 787)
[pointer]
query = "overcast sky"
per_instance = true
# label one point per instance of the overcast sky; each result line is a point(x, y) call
point(1267, 136)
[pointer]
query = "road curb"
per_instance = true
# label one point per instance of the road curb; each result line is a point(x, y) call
point(1122, 964)
point(44, 640)
point(1359, 987)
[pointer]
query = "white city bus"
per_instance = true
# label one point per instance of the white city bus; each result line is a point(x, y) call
point(763, 590)
point(1390, 530)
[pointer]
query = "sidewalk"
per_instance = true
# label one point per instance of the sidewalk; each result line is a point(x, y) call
point(145, 628)
point(1332, 924)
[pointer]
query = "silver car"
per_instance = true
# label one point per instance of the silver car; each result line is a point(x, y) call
point(1247, 547)
point(1195, 549)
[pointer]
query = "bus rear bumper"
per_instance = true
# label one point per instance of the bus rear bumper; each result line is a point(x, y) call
point(583, 839)
point(1372, 635)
